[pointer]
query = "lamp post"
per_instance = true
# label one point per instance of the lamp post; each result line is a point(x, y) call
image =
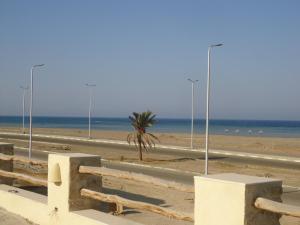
point(207, 108)
point(23, 102)
point(192, 120)
point(90, 86)
point(30, 109)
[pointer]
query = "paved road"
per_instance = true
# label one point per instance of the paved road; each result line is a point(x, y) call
point(231, 156)
point(164, 173)
point(291, 195)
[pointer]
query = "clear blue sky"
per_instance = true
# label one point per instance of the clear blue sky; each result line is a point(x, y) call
point(137, 52)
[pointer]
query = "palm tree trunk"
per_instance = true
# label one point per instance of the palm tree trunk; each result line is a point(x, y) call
point(140, 152)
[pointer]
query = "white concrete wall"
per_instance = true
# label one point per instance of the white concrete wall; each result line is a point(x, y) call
point(27, 204)
point(222, 199)
point(228, 199)
point(64, 205)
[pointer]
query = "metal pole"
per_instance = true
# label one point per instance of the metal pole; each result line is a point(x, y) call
point(30, 113)
point(90, 106)
point(207, 113)
point(23, 129)
point(207, 108)
point(192, 125)
point(192, 119)
point(30, 110)
point(23, 100)
point(90, 86)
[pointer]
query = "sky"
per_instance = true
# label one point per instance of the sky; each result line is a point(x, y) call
point(140, 54)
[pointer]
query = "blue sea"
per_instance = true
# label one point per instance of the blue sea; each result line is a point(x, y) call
point(223, 127)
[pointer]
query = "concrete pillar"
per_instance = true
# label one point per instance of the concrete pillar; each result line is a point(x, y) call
point(65, 183)
point(7, 149)
point(228, 199)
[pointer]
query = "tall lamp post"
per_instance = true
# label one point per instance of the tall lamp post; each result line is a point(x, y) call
point(192, 121)
point(207, 108)
point(30, 109)
point(23, 103)
point(90, 86)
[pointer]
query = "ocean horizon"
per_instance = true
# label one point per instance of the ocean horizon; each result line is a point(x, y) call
point(268, 128)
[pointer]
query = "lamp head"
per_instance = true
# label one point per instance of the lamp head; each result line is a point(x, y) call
point(24, 88)
point(38, 65)
point(90, 85)
point(217, 45)
point(193, 81)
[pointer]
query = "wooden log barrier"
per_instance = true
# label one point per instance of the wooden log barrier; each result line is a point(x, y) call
point(136, 205)
point(23, 177)
point(23, 159)
point(102, 171)
point(277, 207)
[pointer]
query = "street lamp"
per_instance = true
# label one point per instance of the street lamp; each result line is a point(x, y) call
point(90, 86)
point(30, 109)
point(192, 121)
point(24, 93)
point(207, 108)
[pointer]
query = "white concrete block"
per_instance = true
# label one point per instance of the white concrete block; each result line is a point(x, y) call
point(65, 196)
point(227, 199)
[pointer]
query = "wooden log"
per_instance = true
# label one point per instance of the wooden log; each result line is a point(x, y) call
point(277, 207)
point(23, 177)
point(7, 150)
point(6, 157)
point(136, 205)
point(24, 160)
point(102, 171)
point(117, 209)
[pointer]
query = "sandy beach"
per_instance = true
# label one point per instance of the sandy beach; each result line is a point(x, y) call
point(255, 144)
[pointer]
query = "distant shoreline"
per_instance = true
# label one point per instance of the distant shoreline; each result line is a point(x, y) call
point(158, 118)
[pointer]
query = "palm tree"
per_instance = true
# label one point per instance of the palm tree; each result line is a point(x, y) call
point(140, 137)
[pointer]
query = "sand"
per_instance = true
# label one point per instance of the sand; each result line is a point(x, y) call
point(255, 144)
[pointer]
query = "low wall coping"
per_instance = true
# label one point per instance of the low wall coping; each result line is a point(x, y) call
point(6, 144)
point(239, 179)
point(24, 193)
point(104, 217)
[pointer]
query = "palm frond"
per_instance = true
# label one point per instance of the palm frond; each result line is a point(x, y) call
point(140, 137)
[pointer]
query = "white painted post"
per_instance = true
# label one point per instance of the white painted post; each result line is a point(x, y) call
point(64, 196)
point(65, 204)
point(228, 199)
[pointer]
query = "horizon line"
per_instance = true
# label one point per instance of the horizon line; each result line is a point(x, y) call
point(170, 118)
